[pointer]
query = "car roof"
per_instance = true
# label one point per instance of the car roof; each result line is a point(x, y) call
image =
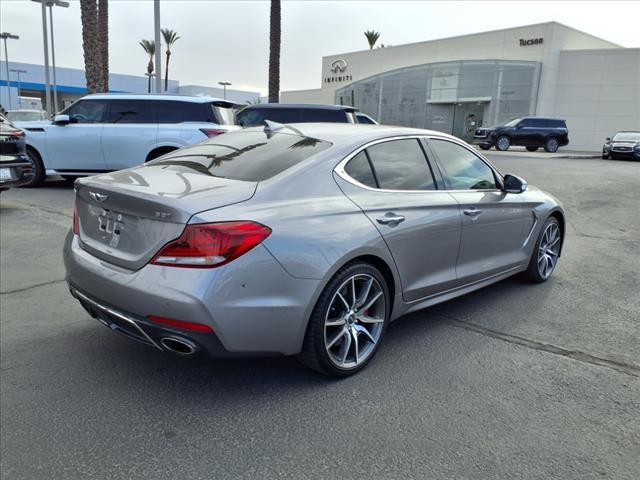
point(306, 106)
point(155, 96)
point(356, 133)
point(26, 110)
point(544, 118)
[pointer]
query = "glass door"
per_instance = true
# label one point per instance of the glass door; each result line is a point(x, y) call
point(467, 117)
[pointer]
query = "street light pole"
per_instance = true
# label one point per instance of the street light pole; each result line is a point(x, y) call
point(224, 88)
point(51, 4)
point(156, 18)
point(47, 83)
point(18, 71)
point(4, 36)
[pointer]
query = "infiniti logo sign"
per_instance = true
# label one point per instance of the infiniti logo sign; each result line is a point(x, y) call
point(338, 66)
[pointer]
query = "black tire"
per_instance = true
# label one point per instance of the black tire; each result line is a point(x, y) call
point(485, 147)
point(605, 156)
point(503, 143)
point(533, 272)
point(531, 149)
point(38, 177)
point(551, 145)
point(314, 353)
point(158, 152)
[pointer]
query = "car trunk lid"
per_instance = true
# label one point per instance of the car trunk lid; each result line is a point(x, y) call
point(125, 217)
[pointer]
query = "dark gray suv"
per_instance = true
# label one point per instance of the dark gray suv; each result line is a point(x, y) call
point(529, 132)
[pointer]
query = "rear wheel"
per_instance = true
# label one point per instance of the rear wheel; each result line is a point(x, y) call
point(348, 322)
point(37, 175)
point(531, 149)
point(503, 143)
point(544, 258)
point(551, 145)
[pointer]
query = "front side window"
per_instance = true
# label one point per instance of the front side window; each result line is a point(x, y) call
point(243, 155)
point(87, 111)
point(512, 123)
point(131, 111)
point(401, 165)
point(461, 168)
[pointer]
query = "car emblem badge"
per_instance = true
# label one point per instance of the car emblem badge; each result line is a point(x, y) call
point(98, 197)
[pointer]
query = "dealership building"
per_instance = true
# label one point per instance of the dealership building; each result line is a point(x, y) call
point(457, 84)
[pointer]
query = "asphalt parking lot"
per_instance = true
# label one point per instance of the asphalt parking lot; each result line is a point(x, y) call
point(515, 381)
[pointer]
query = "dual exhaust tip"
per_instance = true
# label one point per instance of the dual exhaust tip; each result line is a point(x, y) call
point(179, 346)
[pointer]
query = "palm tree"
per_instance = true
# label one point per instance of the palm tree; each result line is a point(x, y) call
point(274, 52)
point(170, 37)
point(372, 37)
point(103, 43)
point(149, 46)
point(90, 45)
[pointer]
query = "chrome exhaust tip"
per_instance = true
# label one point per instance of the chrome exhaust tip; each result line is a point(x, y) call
point(179, 346)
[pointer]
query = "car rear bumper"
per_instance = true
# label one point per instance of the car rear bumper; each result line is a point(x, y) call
point(253, 306)
point(18, 168)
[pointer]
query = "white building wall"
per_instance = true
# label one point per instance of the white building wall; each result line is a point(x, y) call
point(598, 93)
point(316, 95)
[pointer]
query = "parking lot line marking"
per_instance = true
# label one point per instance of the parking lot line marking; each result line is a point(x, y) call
point(627, 368)
point(29, 287)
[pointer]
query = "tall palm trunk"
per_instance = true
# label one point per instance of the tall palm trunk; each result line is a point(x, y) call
point(103, 40)
point(90, 46)
point(274, 52)
point(166, 70)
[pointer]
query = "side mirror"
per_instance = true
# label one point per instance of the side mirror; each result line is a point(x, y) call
point(513, 184)
point(61, 119)
point(608, 139)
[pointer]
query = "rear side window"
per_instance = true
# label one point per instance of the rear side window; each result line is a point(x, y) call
point(359, 169)
point(244, 155)
point(401, 165)
point(253, 117)
point(171, 111)
point(131, 111)
point(319, 115)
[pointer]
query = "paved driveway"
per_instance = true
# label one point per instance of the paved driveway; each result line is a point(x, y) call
point(513, 381)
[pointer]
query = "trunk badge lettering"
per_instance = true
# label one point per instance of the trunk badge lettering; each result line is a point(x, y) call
point(162, 215)
point(98, 197)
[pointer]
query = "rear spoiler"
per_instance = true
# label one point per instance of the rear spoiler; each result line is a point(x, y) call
point(226, 104)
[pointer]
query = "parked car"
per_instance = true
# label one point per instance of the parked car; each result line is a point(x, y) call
point(364, 118)
point(622, 145)
point(105, 132)
point(529, 132)
point(286, 113)
point(28, 115)
point(15, 167)
point(226, 248)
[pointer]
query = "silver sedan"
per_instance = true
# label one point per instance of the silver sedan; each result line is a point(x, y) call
point(301, 240)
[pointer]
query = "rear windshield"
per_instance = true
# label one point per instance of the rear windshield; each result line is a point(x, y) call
point(252, 117)
point(247, 156)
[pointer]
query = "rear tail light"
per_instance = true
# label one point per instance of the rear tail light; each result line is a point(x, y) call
point(76, 223)
point(208, 245)
point(212, 132)
point(183, 325)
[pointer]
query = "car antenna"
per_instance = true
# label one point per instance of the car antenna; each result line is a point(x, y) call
point(273, 127)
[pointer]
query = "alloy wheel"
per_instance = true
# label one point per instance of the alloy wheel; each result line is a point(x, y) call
point(552, 145)
point(354, 321)
point(503, 143)
point(549, 250)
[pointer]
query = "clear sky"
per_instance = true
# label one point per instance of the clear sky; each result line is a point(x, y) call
point(229, 40)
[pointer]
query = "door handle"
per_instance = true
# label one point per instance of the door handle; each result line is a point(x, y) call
point(473, 211)
point(390, 219)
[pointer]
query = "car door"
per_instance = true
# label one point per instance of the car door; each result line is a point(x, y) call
point(76, 146)
point(393, 184)
point(129, 133)
point(492, 220)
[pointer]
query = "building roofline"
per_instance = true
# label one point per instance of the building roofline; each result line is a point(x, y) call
point(479, 33)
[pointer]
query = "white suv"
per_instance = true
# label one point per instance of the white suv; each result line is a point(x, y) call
point(105, 132)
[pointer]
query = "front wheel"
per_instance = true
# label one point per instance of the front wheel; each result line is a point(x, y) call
point(551, 145)
point(37, 175)
point(348, 322)
point(544, 258)
point(503, 143)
